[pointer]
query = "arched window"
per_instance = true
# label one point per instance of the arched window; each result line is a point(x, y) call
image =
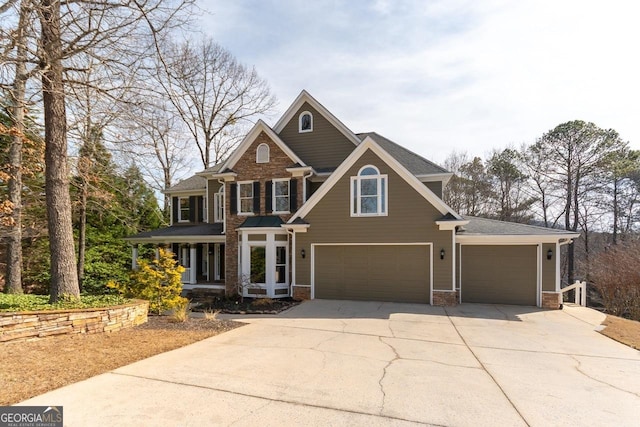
point(369, 192)
point(305, 122)
point(262, 153)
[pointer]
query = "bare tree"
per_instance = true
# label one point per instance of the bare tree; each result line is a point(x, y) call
point(157, 141)
point(571, 156)
point(17, 113)
point(213, 94)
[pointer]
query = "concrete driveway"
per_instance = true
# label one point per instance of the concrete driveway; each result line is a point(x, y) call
point(365, 363)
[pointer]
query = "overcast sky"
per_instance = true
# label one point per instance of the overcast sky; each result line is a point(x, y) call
point(437, 76)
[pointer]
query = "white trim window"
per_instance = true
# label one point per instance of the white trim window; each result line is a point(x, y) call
point(262, 153)
point(280, 201)
point(305, 122)
point(218, 205)
point(183, 209)
point(369, 192)
point(245, 198)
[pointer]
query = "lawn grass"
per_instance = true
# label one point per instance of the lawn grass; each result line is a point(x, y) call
point(30, 302)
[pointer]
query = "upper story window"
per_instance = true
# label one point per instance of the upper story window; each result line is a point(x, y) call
point(218, 205)
point(281, 195)
point(305, 122)
point(369, 192)
point(205, 209)
point(245, 197)
point(183, 209)
point(262, 153)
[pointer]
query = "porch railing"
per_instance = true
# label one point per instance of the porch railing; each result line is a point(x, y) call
point(580, 294)
point(186, 275)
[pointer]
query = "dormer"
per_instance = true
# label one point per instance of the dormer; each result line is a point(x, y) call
point(188, 201)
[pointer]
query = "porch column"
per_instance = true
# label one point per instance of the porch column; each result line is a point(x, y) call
point(193, 264)
point(134, 257)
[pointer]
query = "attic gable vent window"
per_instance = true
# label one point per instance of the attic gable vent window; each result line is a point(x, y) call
point(369, 192)
point(262, 153)
point(305, 122)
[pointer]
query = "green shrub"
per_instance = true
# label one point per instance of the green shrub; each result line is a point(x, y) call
point(158, 281)
point(29, 302)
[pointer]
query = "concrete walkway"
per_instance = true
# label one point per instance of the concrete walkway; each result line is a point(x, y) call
point(364, 363)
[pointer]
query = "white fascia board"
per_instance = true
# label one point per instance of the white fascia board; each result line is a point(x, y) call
point(300, 171)
point(199, 192)
point(306, 97)
point(444, 177)
point(298, 228)
point(511, 239)
point(370, 144)
point(218, 175)
point(451, 225)
point(260, 126)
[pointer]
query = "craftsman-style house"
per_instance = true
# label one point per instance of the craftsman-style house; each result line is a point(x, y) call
point(309, 209)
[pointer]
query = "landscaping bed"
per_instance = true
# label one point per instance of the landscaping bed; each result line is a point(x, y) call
point(246, 306)
point(30, 368)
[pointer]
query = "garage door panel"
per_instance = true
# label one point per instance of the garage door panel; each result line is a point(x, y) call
point(374, 273)
point(499, 274)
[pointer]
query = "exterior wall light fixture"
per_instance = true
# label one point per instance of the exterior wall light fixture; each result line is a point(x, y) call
point(441, 253)
point(303, 254)
point(549, 254)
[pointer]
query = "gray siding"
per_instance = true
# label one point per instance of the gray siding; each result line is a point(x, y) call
point(436, 187)
point(549, 268)
point(325, 147)
point(410, 218)
point(499, 274)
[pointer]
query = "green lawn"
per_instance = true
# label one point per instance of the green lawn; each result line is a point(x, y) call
point(41, 302)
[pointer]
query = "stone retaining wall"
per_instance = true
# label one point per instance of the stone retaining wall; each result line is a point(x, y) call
point(24, 325)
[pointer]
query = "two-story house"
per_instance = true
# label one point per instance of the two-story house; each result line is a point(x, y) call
point(309, 209)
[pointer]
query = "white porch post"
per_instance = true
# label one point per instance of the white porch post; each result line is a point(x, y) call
point(193, 264)
point(134, 257)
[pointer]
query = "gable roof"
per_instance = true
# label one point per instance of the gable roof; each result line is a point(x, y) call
point(193, 183)
point(246, 142)
point(306, 97)
point(370, 144)
point(414, 163)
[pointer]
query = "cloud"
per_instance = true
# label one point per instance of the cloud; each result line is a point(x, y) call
point(446, 74)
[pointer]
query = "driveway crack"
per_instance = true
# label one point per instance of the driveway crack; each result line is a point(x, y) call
point(485, 368)
point(598, 380)
point(384, 372)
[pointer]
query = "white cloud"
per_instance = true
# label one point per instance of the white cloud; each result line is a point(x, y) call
point(446, 74)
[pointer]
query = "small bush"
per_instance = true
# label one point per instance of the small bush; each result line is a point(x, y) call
point(181, 311)
point(616, 277)
point(158, 281)
point(212, 314)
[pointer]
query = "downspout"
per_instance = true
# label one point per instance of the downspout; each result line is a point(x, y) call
point(293, 260)
point(304, 186)
point(224, 213)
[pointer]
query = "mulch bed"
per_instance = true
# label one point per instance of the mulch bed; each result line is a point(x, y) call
point(246, 306)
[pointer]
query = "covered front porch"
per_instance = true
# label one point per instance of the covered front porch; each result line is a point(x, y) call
point(200, 249)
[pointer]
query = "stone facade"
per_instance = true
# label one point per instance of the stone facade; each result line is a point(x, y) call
point(551, 300)
point(445, 298)
point(301, 292)
point(248, 170)
point(26, 325)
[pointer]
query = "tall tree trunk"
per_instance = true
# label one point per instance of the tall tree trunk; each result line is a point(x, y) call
point(64, 276)
point(14, 237)
point(615, 210)
point(82, 231)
